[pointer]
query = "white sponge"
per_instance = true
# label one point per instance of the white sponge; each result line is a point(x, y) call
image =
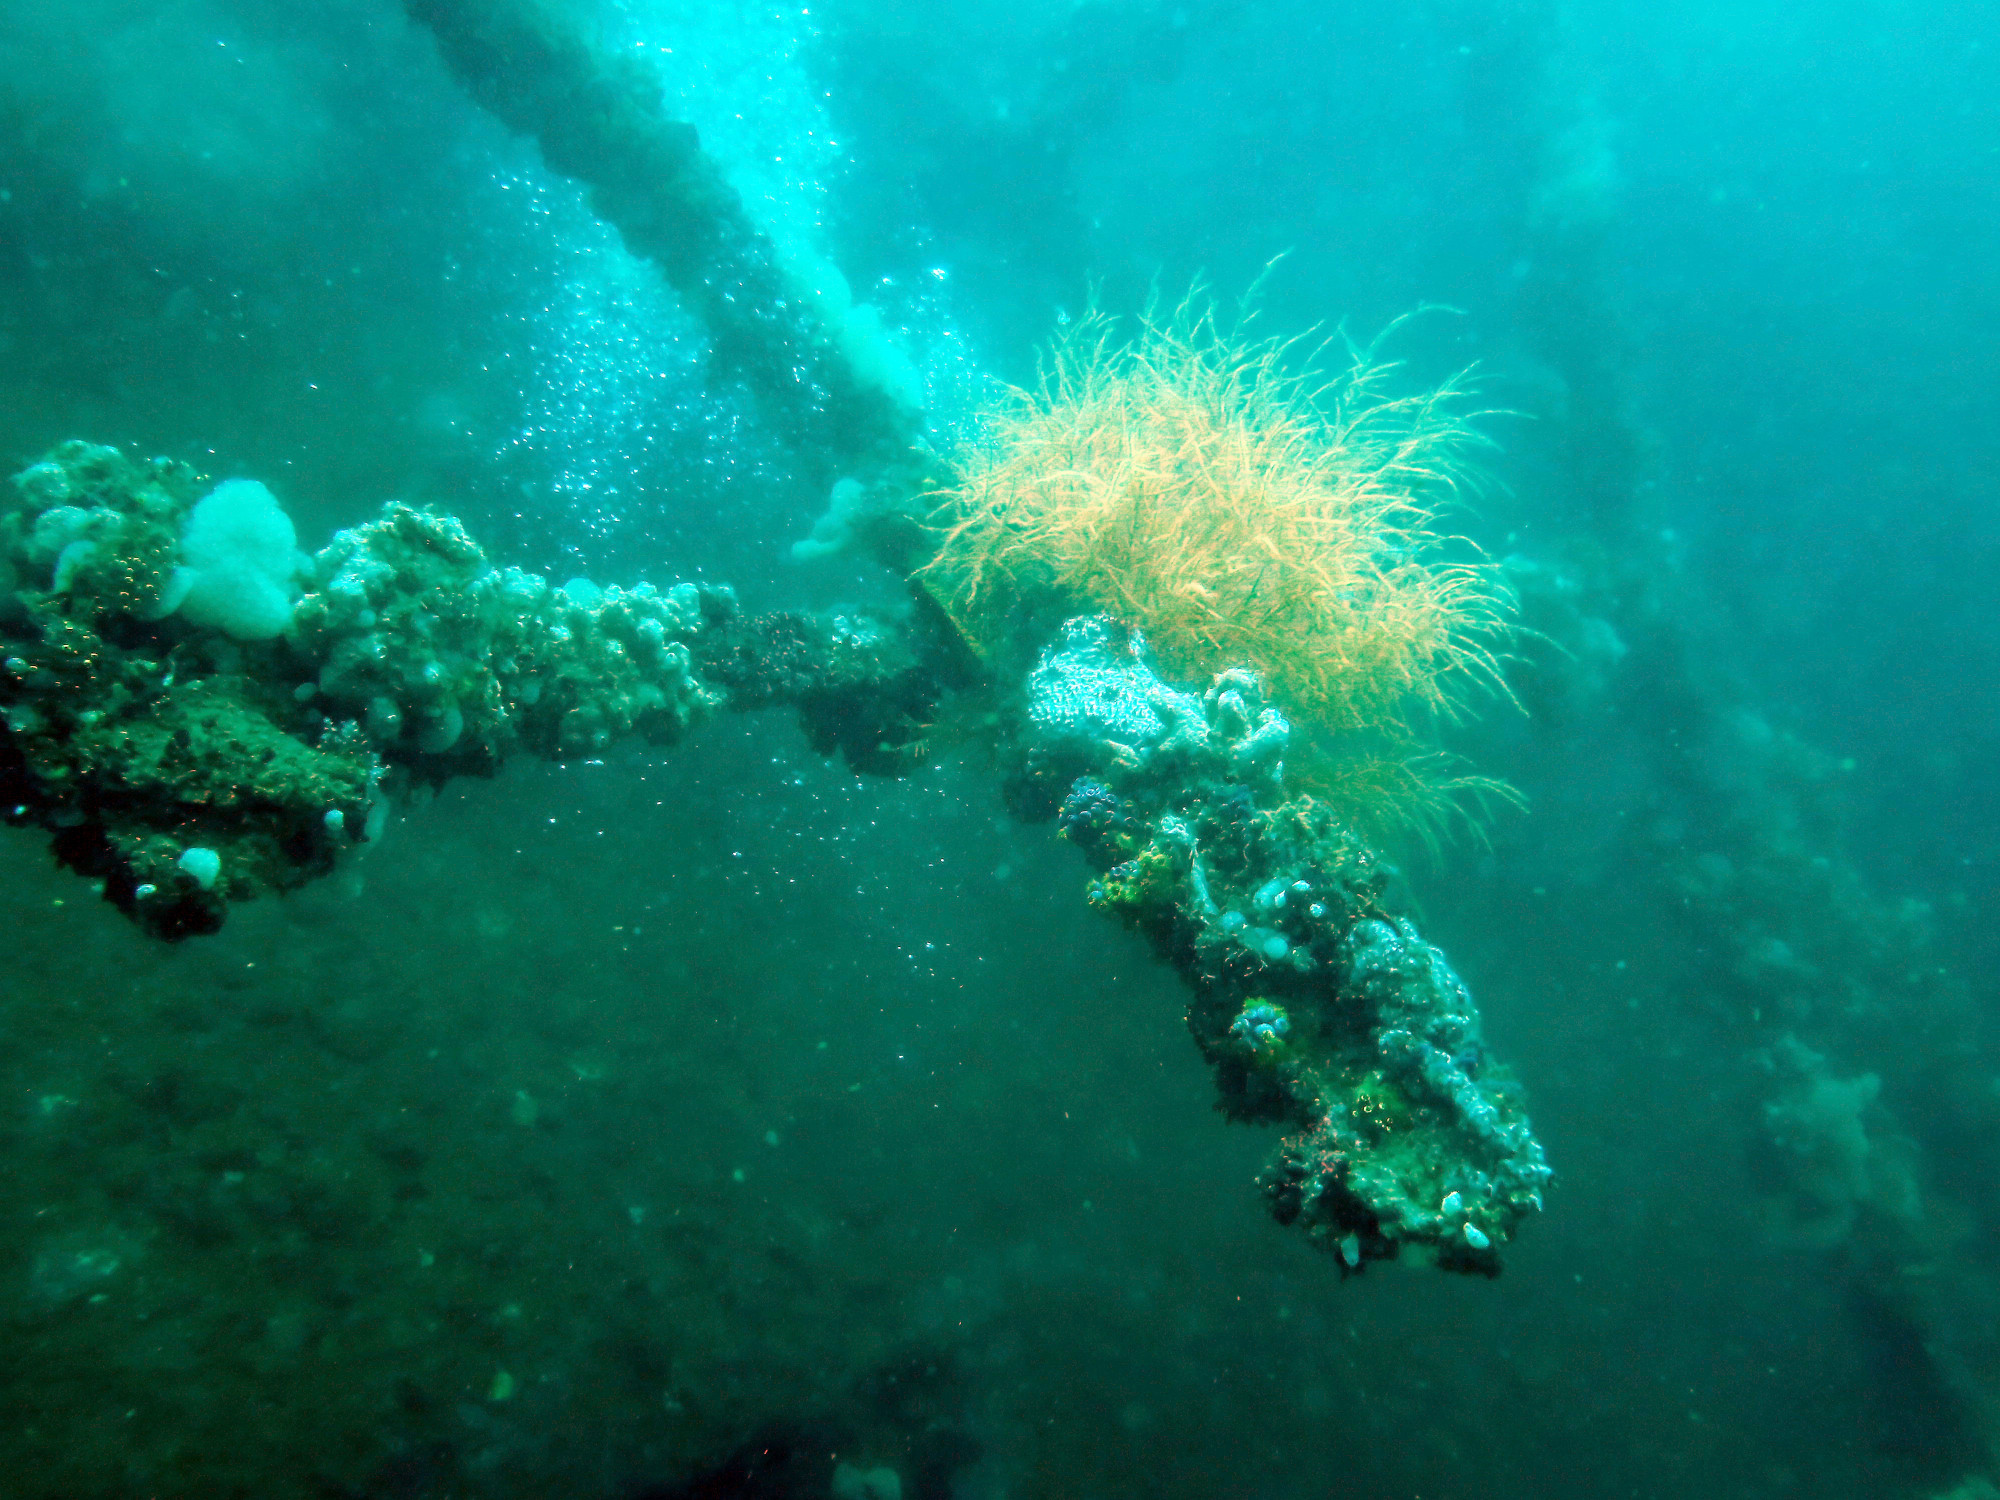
point(240, 563)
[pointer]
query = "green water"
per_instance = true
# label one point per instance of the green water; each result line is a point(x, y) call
point(716, 1122)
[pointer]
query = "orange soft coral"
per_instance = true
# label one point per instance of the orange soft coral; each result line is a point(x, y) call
point(1239, 514)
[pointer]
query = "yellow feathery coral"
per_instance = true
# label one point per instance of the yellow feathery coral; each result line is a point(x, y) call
point(1383, 794)
point(1187, 483)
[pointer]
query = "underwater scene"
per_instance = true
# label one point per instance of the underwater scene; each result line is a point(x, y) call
point(967, 751)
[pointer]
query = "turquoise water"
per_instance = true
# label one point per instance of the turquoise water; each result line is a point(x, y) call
point(715, 1121)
